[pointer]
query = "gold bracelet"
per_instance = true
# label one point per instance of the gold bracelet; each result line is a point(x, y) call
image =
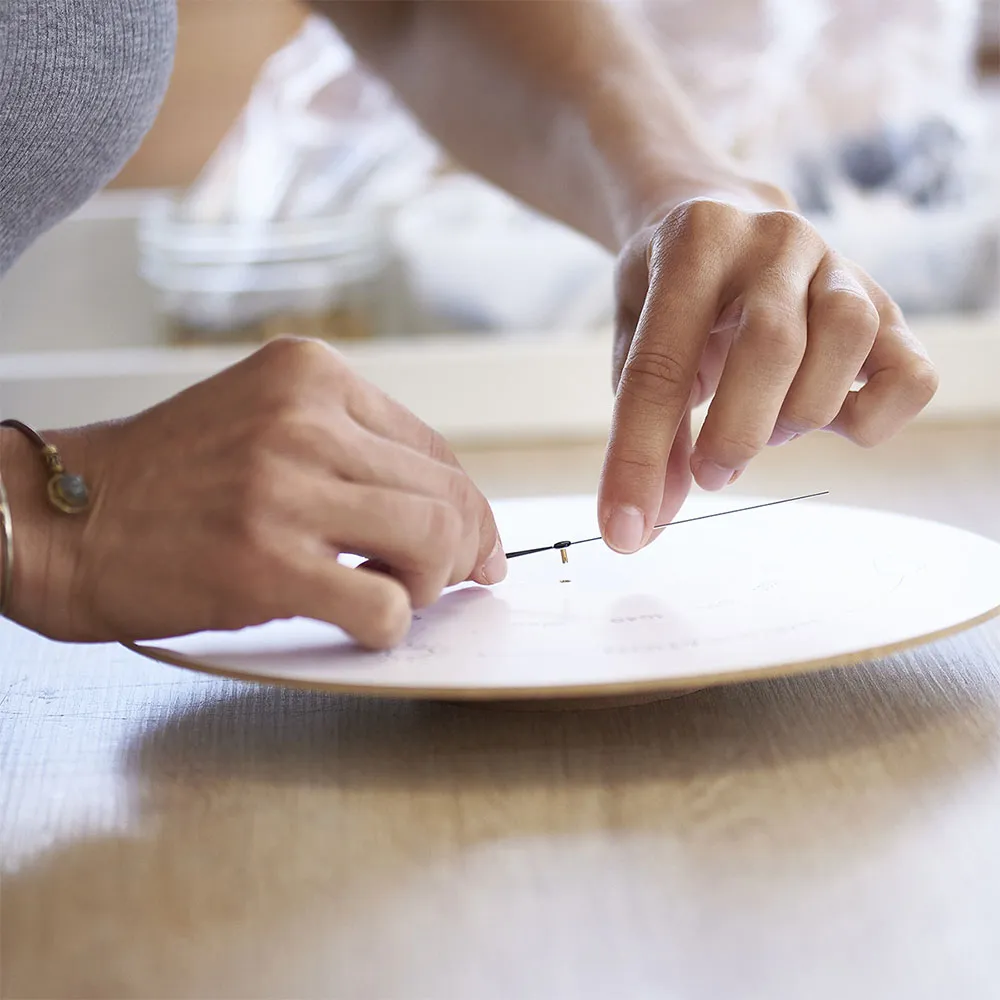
point(6, 551)
point(67, 493)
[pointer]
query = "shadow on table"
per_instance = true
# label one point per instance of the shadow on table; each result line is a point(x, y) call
point(287, 737)
point(281, 836)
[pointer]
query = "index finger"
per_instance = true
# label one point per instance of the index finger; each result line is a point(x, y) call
point(655, 388)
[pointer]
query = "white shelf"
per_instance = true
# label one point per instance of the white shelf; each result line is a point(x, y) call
point(78, 286)
point(472, 388)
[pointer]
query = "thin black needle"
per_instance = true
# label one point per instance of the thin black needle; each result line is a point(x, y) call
point(669, 524)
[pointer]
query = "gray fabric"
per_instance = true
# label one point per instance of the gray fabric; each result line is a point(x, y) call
point(80, 84)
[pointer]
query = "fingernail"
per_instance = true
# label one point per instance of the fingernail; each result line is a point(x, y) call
point(711, 476)
point(625, 529)
point(780, 437)
point(495, 568)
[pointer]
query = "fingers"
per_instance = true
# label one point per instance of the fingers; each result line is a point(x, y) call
point(762, 363)
point(755, 308)
point(373, 409)
point(713, 362)
point(326, 416)
point(400, 451)
point(372, 608)
point(296, 522)
point(796, 376)
point(658, 377)
point(631, 286)
point(677, 482)
point(843, 324)
point(768, 347)
point(899, 381)
point(422, 540)
point(373, 460)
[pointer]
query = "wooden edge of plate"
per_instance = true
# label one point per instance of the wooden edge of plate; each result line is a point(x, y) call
point(612, 694)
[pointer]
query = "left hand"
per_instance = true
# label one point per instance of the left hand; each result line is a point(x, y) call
point(753, 307)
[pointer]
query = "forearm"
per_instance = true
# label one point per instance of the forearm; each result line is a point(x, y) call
point(564, 104)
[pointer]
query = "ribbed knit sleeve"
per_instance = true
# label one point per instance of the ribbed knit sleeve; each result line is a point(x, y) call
point(80, 84)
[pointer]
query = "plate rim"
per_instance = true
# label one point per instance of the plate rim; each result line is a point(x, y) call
point(612, 689)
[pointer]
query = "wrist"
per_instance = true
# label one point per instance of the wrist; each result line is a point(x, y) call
point(46, 543)
point(653, 154)
point(649, 199)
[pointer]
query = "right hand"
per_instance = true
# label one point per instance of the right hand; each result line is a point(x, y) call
point(228, 505)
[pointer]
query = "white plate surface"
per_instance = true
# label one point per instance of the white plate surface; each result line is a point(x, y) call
point(775, 591)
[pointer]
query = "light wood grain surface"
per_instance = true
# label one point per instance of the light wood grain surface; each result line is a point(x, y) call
point(166, 834)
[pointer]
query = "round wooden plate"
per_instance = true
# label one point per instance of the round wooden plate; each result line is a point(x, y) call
point(777, 591)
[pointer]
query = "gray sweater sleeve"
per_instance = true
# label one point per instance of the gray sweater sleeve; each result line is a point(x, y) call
point(80, 84)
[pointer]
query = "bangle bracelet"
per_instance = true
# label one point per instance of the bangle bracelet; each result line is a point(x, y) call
point(67, 493)
point(6, 551)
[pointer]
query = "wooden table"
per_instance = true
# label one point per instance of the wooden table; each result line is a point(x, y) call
point(167, 834)
point(170, 835)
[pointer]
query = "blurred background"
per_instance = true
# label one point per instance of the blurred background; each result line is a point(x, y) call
point(283, 190)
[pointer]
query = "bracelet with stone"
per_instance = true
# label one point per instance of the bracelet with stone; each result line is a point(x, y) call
point(67, 492)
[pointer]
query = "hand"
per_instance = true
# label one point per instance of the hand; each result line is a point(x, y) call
point(229, 504)
point(753, 307)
